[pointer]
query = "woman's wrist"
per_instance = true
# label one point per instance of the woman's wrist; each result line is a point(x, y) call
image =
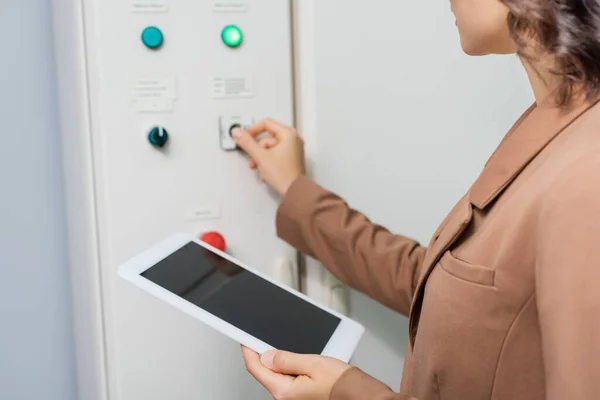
point(285, 186)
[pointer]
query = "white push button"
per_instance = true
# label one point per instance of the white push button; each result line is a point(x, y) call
point(229, 122)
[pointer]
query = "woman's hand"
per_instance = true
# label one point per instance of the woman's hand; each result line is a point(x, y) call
point(279, 155)
point(290, 376)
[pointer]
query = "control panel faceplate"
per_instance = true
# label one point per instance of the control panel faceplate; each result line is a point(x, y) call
point(168, 79)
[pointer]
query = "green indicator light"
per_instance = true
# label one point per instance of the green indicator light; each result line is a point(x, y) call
point(232, 36)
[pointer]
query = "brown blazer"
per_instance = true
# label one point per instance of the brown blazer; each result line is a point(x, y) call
point(504, 304)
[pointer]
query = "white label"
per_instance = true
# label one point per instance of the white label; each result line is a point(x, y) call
point(149, 6)
point(235, 87)
point(203, 212)
point(229, 6)
point(154, 95)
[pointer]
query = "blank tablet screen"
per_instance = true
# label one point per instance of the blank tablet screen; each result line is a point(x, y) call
point(246, 301)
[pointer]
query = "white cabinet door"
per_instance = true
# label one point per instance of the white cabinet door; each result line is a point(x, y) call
point(170, 65)
point(400, 122)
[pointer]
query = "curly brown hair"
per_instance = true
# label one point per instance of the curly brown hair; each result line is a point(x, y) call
point(566, 30)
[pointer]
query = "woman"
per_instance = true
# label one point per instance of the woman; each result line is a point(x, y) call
point(503, 303)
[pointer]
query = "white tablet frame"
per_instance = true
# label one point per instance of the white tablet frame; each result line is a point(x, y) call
point(341, 344)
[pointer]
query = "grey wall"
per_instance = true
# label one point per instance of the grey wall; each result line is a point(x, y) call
point(36, 341)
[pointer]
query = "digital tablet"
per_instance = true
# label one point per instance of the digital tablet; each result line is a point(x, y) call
point(238, 301)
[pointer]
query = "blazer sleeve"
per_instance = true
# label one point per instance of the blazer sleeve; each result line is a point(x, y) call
point(359, 253)
point(354, 384)
point(568, 284)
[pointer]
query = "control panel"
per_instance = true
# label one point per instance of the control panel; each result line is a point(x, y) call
point(168, 81)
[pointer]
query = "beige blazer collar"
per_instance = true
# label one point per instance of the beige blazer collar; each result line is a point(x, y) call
point(526, 139)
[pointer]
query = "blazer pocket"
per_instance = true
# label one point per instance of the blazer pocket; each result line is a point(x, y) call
point(466, 271)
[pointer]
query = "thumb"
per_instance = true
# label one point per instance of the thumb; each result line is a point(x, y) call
point(288, 363)
point(247, 142)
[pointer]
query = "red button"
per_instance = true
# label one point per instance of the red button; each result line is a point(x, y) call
point(214, 239)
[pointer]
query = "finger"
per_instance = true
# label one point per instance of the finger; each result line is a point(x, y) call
point(276, 128)
point(273, 382)
point(247, 143)
point(267, 142)
point(290, 363)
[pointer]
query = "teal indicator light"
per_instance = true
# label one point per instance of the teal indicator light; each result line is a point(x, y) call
point(152, 37)
point(232, 36)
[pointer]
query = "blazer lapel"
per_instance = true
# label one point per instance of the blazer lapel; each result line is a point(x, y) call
point(458, 220)
point(521, 146)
